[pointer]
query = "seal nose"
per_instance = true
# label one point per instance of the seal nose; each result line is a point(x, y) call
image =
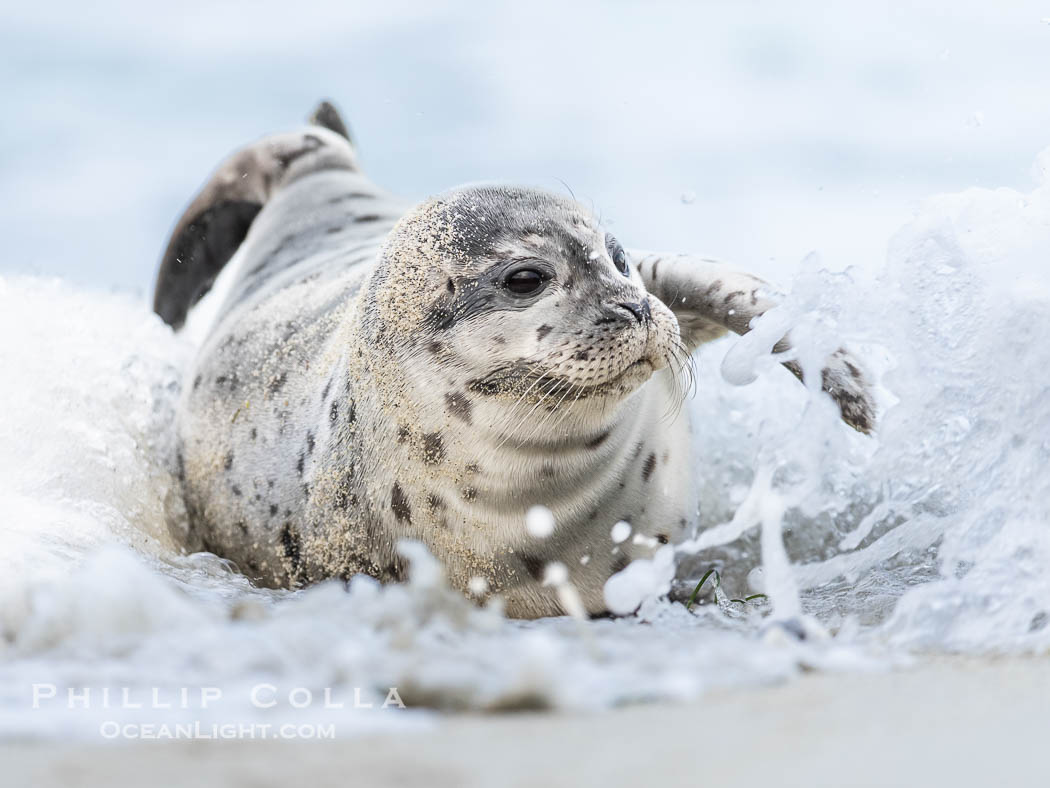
point(640, 310)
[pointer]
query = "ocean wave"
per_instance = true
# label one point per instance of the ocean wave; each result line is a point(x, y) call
point(932, 536)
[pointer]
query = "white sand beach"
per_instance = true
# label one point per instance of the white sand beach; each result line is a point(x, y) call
point(953, 722)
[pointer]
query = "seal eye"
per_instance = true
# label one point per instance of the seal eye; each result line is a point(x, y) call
point(524, 281)
point(618, 255)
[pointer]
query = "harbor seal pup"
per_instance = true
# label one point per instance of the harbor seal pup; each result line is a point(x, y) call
point(376, 372)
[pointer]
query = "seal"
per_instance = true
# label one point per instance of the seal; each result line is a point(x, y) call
point(377, 372)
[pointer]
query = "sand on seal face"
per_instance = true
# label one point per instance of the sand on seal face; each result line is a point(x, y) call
point(951, 722)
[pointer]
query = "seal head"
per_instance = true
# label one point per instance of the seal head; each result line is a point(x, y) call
point(526, 297)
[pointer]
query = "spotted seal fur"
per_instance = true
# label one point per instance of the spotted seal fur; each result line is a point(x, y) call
point(376, 371)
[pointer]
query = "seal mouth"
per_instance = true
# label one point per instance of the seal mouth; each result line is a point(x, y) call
point(632, 376)
point(642, 365)
point(512, 382)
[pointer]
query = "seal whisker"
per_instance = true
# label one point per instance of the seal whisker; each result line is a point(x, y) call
point(676, 366)
point(556, 415)
point(568, 410)
point(547, 393)
point(539, 377)
point(552, 412)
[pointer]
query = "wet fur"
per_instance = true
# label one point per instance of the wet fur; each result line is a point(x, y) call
point(369, 378)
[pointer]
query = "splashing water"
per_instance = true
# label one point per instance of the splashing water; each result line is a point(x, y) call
point(929, 537)
point(939, 523)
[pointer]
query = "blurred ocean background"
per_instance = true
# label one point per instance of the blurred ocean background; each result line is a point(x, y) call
point(756, 132)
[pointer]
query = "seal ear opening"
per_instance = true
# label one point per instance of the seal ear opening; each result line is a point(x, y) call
point(327, 116)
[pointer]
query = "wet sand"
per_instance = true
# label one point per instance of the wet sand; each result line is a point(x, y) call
point(951, 722)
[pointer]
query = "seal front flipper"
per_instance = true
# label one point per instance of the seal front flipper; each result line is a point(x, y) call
point(709, 298)
point(220, 216)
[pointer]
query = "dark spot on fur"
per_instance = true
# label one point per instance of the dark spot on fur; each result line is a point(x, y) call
point(275, 384)
point(273, 510)
point(598, 439)
point(333, 412)
point(344, 500)
point(227, 462)
point(534, 566)
point(663, 538)
point(393, 572)
point(309, 442)
point(242, 526)
point(236, 490)
point(399, 504)
point(499, 339)
point(333, 230)
point(647, 469)
point(582, 355)
point(326, 389)
point(196, 382)
point(402, 433)
point(435, 347)
point(180, 466)
point(368, 217)
point(433, 448)
point(459, 406)
point(473, 468)
point(730, 296)
point(254, 433)
point(434, 502)
point(450, 286)
point(542, 331)
point(348, 196)
point(469, 494)
point(292, 545)
point(656, 265)
point(310, 143)
point(299, 465)
point(351, 416)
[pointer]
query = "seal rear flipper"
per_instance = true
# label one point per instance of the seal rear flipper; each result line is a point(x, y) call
point(220, 216)
point(327, 116)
